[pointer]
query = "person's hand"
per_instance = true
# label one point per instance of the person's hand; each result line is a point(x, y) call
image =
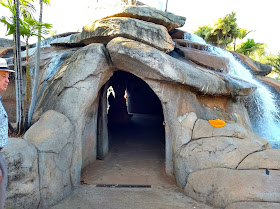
point(0, 175)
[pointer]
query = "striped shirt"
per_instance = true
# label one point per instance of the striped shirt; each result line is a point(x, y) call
point(3, 126)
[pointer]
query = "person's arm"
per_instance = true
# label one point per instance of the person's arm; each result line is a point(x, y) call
point(0, 175)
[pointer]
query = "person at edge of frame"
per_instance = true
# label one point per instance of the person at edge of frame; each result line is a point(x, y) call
point(4, 81)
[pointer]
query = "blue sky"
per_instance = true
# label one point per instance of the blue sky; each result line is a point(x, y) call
point(261, 16)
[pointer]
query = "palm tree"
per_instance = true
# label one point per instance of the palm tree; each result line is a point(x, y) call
point(242, 33)
point(36, 73)
point(26, 27)
point(166, 5)
point(226, 30)
point(13, 27)
point(17, 64)
point(250, 48)
point(31, 27)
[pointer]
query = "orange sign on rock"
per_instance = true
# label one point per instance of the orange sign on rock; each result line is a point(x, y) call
point(217, 123)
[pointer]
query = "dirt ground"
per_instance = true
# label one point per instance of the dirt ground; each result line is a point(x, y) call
point(132, 175)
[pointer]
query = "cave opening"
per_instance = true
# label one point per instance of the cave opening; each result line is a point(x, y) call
point(135, 133)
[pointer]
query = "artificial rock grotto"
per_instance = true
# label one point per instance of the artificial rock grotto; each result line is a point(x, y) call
point(141, 48)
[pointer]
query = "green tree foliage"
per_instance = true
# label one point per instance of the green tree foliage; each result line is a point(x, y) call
point(243, 33)
point(223, 32)
point(251, 49)
point(25, 8)
point(205, 32)
point(274, 61)
point(28, 24)
point(226, 29)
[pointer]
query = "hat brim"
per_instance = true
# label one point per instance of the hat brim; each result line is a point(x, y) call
point(6, 69)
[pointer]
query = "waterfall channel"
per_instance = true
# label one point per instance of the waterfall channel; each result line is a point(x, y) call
point(261, 104)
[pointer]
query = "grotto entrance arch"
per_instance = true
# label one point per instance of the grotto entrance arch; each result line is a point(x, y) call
point(132, 109)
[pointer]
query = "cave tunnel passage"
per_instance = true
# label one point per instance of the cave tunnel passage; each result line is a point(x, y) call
point(136, 134)
point(135, 116)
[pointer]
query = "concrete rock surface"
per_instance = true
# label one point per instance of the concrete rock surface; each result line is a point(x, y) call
point(255, 67)
point(23, 177)
point(105, 30)
point(52, 135)
point(150, 14)
point(221, 186)
point(267, 159)
point(146, 61)
point(255, 205)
